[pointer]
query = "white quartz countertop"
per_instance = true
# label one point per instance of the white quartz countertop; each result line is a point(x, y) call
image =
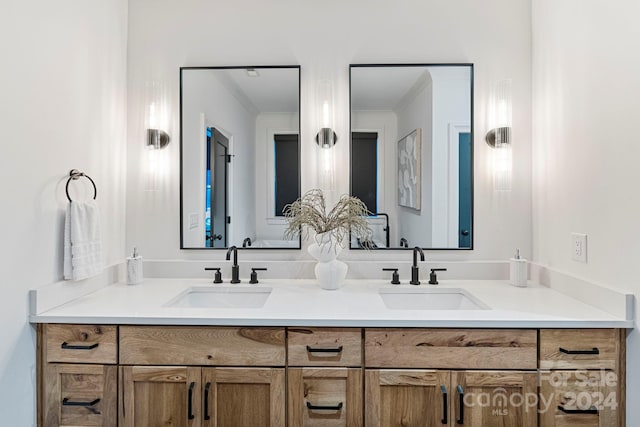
point(356, 304)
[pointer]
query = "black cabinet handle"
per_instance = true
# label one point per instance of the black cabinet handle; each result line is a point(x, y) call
point(593, 410)
point(594, 350)
point(335, 407)
point(445, 405)
point(68, 346)
point(206, 401)
point(67, 402)
point(190, 401)
point(460, 419)
point(324, 350)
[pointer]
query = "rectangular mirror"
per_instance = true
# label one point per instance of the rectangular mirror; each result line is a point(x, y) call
point(412, 153)
point(240, 155)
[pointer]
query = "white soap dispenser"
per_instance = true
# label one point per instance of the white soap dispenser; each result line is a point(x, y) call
point(518, 270)
point(134, 268)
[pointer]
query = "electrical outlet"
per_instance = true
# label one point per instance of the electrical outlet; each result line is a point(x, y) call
point(579, 247)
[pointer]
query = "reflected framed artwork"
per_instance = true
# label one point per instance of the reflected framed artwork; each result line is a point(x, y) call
point(410, 170)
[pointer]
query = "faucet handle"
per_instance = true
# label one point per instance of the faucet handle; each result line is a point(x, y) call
point(218, 275)
point(433, 278)
point(254, 275)
point(395, 277)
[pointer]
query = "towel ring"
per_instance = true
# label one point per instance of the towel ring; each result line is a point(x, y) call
point(75, 174)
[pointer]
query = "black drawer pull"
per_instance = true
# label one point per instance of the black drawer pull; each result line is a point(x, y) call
point(460, 420)
point(190, 401)
point(324, 350)
point(445, 405)
point(67, 402)
point(594, 350)
point(313, 407)
point(206, 401)
point(593, 410)
point(68, 346)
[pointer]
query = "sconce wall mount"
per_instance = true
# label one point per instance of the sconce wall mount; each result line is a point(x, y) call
point(496, 137)
point(157, 138)
point(326, 138)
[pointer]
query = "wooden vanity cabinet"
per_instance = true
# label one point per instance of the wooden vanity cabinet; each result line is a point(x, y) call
point(207, 376)
point(451, 395)
point(243, 397)
point(325, 378)
point(78, 381)
point(325, 397)
point(582, 377)
point(399, 397)
point(157, 396)
point(221, 382)
point(494, 398)
point(207, 397)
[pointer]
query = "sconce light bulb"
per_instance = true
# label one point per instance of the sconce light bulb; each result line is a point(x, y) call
point(153, 116)
point(503, 116)
point(325, 114)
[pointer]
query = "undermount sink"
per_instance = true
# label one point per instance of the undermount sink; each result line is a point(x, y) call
point(221, 297)
point(430, 299)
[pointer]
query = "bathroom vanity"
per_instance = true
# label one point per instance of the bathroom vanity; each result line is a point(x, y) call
point(154, 355)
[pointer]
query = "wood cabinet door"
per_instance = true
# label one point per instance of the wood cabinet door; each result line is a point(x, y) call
point(325, 397)
point(80, 395)
point(579, 398)
point(160, 396)
point(494, 398)
point(243, 397)
point(399, 398)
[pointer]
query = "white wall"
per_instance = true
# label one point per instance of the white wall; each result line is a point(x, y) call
point(451, 96)
point(586, 68)
point(417, 225)
point(287, 32)
point(63, 106)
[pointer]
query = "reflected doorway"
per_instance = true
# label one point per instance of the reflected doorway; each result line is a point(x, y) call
point(464, 190)
point(216, 193)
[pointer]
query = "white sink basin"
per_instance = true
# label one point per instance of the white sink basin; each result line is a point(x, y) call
point(221, 297)
point(430, 299)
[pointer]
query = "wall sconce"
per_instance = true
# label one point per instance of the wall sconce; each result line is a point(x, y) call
point(156, 138)
point(499, 137)
point(156, 119)
point(326, 136)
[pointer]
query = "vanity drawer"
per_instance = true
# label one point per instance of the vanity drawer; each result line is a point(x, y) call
point(327, 397)
point(451, 348)
point(80, 395)
point(579, 399)
point(579, 348)
point(81, 343)
point(325, 347)
point(201, 345)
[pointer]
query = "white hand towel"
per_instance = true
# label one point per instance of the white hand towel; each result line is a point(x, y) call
point(82, 245)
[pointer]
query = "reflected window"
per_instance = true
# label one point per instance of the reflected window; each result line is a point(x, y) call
point(287, 171)
point(364, 168)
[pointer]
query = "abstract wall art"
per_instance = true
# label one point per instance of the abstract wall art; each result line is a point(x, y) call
point(409, 170)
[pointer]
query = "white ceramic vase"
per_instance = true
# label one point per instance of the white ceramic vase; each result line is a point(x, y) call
point(330, 272)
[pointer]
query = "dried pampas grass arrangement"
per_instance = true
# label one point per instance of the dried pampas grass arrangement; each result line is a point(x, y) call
point(310, 212)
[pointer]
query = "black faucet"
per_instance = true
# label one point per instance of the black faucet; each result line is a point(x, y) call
point(235, 269)
point(415, 280)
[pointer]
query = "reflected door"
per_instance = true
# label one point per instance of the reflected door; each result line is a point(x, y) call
point(464, 190)
point(217, 193)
